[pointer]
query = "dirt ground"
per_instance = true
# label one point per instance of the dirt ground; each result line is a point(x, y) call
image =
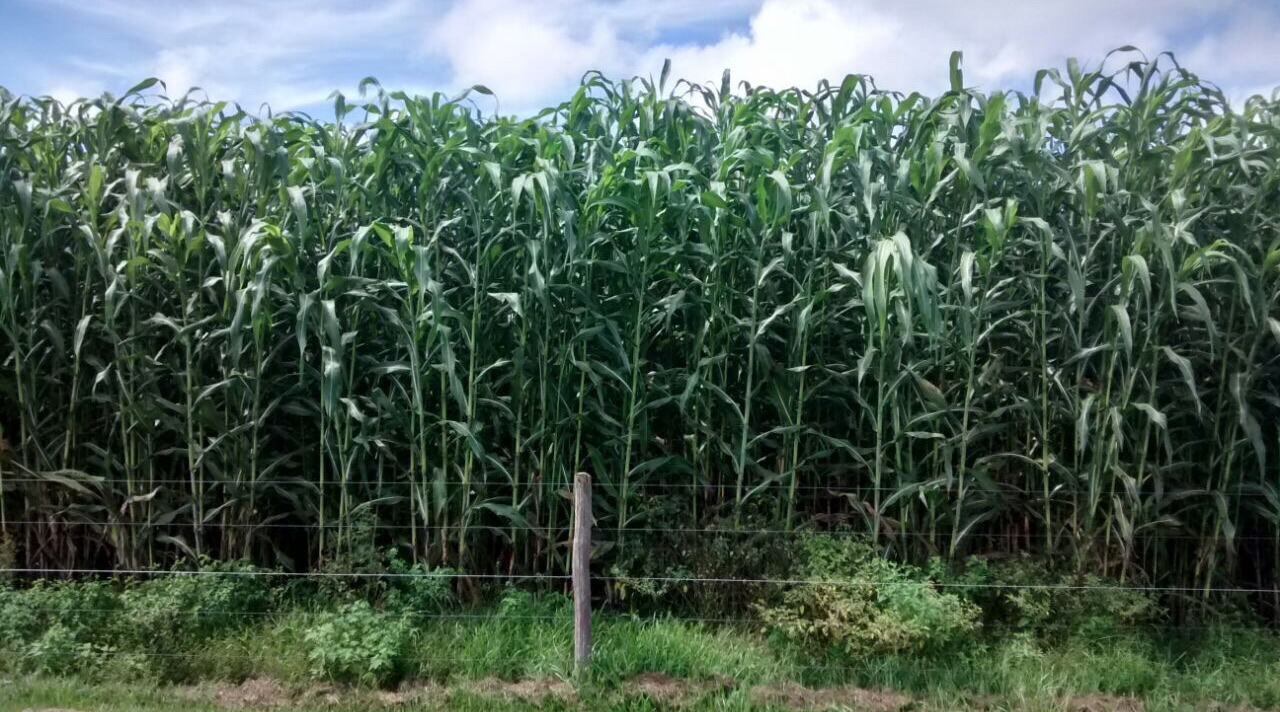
point(663, 691)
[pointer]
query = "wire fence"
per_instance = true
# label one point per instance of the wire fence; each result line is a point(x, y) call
point(616, 617)
point(582, 577)
point(554, 622)
point(140, 484)
point(706, 531)
point(500, 658)
point(513, 577)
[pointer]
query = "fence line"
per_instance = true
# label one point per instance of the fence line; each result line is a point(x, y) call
point(1036, 536)
point(140, 484)
point(289, 574)
point(125, 653)
point(579, 575)
point(114, 653)
point(653, 579)
point(617, 617)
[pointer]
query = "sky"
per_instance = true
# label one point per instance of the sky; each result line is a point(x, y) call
point(291, 54)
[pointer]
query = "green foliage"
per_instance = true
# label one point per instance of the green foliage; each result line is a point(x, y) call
point(361, 554)
point(19, 619)
point(648, 574)
point(684, 649)
point(520, 603)
point(417, 590)
point(70, 627)
point(526, 636)
point(939, 319)
point(86, 613)
point(176, 610)
point(62, 650)
point(359, 644)
point(1027, 595)
point(871, 605)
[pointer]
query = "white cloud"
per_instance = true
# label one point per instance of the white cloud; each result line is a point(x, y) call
point(794, 43)
point(906, 45)
point(291, 53)
point(521, 52)
point(282, 53)
point(64, 93)
point(532, 53)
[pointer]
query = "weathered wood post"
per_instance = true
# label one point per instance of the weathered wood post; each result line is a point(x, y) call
point(582, 572)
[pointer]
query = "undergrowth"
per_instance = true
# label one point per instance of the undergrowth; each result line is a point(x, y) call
point(986, 627)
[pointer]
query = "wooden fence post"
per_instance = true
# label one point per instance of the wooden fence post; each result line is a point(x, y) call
point(582, 572)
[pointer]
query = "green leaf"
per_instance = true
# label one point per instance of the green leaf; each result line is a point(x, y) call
point(1155, 415)
point(712, 200)
point(957, 75)
point(1248, 422)
point(1125, 328)
point(1188, 377)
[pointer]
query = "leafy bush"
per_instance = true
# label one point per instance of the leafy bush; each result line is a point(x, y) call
point(889, 607)
point(62, 650)
point(19, 620)
point(86, 611)
point(87, 627)
point(64, 627)
point(359, 644)
point(1029, 595)
point(415, 593)
point(519, 603)
point(706, 550)
point(360, 555)
point(173, 610)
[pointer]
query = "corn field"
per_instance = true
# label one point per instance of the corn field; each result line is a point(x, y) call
point(1042, 322)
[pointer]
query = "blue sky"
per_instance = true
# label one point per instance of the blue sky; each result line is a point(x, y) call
point(291, 54)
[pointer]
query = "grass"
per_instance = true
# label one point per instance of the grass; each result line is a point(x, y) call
point(509, 649)
point(1014, 675)
point(28, 693)
point(1228, 667)
point(1021, 648)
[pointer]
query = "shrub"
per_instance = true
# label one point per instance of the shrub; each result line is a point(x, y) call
point(413, 592)
point(359, 644)
point(891, 608)
point(1031, 596)
point(62, 650)
point(707, 550)
point(66, 628)
point(171, 610)
point(19, 620)
point(360, 555)
point(87, 627)
point(519, 603)
point(84, 612)
point(61, 627)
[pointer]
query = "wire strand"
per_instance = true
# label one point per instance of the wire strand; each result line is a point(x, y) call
point(842, 489)
point(652, 579)
point(609, 616)
point(1034, 536)
point(288, 574)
